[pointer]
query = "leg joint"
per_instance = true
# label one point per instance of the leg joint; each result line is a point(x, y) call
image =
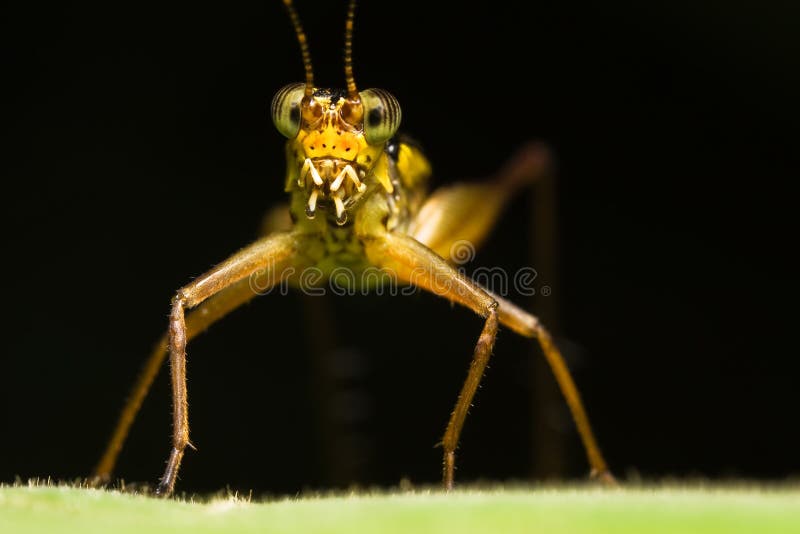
point(180, 299)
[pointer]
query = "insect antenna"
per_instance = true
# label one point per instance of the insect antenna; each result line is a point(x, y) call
point(301, 38)
point(352, 92)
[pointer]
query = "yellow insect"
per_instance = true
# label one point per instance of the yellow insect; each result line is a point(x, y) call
point(358, 202)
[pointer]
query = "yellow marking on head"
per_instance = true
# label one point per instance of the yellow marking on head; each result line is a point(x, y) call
point(330, 142)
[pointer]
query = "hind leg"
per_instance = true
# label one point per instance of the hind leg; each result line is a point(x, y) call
point(467, 212)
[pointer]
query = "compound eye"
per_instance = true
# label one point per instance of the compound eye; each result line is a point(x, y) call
point(381, 115)
point(286, 109)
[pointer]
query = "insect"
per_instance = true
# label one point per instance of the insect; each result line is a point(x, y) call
point(358, 200)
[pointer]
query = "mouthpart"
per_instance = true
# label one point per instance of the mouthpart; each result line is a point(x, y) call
point(331, 179)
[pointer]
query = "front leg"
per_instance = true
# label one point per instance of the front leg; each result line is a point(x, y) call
point(271, 253)
point(407, 260)
point(180, 403)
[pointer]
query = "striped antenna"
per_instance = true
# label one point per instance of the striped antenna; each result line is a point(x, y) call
point(301, 38)
point(352, 92)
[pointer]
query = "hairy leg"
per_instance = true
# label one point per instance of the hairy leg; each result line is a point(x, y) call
point(270, 253)
point(197, 322)
point(528, 325)
point(411, 262)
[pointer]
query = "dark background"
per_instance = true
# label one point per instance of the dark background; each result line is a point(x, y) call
point(139, 153)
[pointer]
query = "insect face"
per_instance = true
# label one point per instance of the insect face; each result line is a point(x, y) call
point(335, 141)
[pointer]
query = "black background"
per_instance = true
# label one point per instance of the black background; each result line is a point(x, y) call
point(140, 153)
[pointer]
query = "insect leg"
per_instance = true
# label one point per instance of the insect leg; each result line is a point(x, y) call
point(528, 325)
point(409, 261)
point(414, 263)
point(468, 211)
point(197, 321)
point(271, 254)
